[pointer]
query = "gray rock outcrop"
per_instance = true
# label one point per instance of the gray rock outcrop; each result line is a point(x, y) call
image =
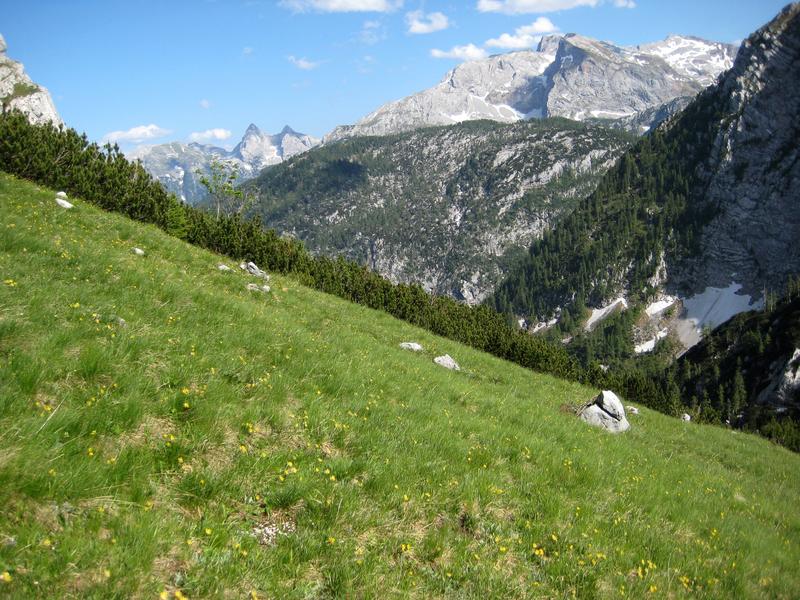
point(605, 411)
point(567, 76)
point(18, 91)
point(752, 175)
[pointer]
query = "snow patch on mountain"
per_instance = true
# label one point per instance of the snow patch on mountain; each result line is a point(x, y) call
point(599, 314)
point(710, 308)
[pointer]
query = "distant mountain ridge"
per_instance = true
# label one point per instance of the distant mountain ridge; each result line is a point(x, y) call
point(568, 76)
point(175, 164)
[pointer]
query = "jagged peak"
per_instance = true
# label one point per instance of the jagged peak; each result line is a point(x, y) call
point(549, 43)
point(287, 130)
point(252, 129)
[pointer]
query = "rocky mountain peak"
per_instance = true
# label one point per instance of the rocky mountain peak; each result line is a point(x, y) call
point(18, 91)
point(568, 75)
point(549, 43)
point(175, 164)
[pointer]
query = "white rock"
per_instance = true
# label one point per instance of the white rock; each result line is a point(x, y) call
point(413, 346)
point(62, 195)
point(224, 268)
point(138, 251)
point(686, 417)
point(253, 269)
point(63, 203)
point(254, 287)
point(632, 409)
point(447, 362)
point(606, 411)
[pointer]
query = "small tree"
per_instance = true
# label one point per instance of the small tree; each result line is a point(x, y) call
point(220, 182)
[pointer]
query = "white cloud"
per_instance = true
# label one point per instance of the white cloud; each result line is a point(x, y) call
point(210, 135)
point(468, 52)
point(624, 3)
point(205, 103)
point(525, 36)
point(418, 22)
point(137, 134)
point(303, 63)
point(372, 32)
point(247, 50)
point(515, 7)
point(342, 5)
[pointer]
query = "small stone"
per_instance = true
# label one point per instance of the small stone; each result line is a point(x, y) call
point(63, 203)
point(224, 268)
point(632, 409)
point(447, 362)
point(605, 411)
point(253, 269)
point(138, 251)
point(686, 417)
point(265, 288)
point(62, 195)
point(413, 346)
point(253, 287)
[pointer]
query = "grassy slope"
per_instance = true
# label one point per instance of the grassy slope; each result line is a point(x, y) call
point(139, 459)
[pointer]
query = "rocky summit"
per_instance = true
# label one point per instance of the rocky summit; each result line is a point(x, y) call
point(176, 164)
point(18, 91)
point(569, 76)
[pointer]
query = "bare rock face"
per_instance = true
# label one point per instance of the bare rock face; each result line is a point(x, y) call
point(566, 76)
point(752, 174)
point(605, 411)
point(18, 91)
point(595, 79)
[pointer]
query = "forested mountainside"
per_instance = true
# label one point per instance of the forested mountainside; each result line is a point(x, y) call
point(747, 372)
point(450, 208)
point(709, 199)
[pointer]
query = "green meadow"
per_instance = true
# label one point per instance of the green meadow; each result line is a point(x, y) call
point(164, 432)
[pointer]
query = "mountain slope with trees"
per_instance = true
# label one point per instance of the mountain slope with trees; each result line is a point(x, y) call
point(450, 208)
point(706, 200)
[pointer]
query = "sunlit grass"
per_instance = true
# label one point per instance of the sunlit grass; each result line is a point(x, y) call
point(223, 443)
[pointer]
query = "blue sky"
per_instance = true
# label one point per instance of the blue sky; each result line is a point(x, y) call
point(154, 71)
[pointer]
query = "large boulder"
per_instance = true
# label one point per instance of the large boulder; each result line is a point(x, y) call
point(605, 411)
